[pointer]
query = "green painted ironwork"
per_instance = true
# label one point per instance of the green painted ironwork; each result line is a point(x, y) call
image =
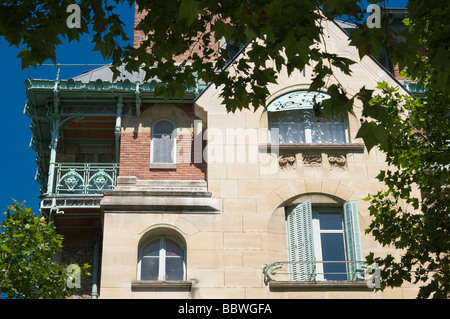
point(415, 89)
point(270, 271)
point(84, 178)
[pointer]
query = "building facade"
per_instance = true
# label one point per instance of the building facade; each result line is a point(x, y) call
point(181, 199)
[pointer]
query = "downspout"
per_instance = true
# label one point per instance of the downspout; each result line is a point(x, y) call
point(56, 126)
point(94, 293)
point(56, 123)
point(117, 129)
point(53, 144)
point(138, 94)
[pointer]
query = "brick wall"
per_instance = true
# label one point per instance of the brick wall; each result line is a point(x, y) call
point(135, 155)
point(135, 159)
point(139, 36)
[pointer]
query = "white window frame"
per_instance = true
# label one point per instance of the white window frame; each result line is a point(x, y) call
point(304, 242)
point(318, 242)
point(174, 148)
point(162, 257)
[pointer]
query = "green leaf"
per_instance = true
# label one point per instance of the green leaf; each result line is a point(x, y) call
point(382, 85)
point(372, 134)
point(5, 248)
point(223, 29)
point(189, 11)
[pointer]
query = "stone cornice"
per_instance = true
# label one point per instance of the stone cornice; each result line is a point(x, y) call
point(305, 147)
point(140, 196)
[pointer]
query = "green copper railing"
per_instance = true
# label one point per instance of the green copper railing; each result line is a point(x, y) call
point(84, 178)
point(308, 271)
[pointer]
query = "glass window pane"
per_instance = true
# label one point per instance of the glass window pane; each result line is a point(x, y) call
point(174, 268)
point(292, 125)
point(105, 158)
point(287, 133)
point(327, 133)
point(333, 250)
point(163, 140)
point(163, 127)
point(330, 220)
point(287, 127)
point(151, 249)
point(327, 129)
point(173, 249)
point(163, 149)
point(149, 268)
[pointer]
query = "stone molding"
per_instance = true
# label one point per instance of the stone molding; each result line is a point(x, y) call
point(343, 147)
point(318, 285)
point(158, 285)
point(170, 196)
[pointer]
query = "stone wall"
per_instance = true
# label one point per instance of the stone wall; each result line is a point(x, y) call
point(227, 249)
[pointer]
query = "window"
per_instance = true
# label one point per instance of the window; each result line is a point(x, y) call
point(162, 258)
point(96, 154)
point(163, 143)
point(328, 229)
point(292, 120)
point(324, 243)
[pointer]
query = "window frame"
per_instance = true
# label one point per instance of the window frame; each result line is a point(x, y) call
point(174, 147)
point(307, 130)
point(162, 258)
point(304, 242)
point(317, 231)
point(95, 152)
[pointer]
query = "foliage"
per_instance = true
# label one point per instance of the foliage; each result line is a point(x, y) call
point(415, 139)
point(190, 39)
point(418, 150)
point(288, 33)
point(28, 245)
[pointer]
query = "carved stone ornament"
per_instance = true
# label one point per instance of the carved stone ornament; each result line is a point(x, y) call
point(314, 160)
point(337, 160)
point(287, 161)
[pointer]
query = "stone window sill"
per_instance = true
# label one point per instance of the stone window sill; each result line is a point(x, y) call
point(157, 285)
point(345, 147)
point(163, 165)
point(318, 285)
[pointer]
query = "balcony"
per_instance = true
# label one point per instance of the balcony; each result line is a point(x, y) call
point(87, 178)
point(80, 184)
point(310, 275)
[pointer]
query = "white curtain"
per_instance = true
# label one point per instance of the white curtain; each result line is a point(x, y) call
point(301, 126)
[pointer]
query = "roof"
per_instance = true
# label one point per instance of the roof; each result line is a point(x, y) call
point(105, 74)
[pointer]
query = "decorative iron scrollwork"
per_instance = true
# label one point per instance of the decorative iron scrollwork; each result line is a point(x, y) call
point(72, 179)
point(100, 179)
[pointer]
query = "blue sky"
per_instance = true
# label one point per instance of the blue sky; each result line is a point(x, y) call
point(17, 159)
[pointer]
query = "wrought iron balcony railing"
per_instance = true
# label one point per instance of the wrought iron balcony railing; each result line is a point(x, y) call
point(316, 271)
point(84, 178)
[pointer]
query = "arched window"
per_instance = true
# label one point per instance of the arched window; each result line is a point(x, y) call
point(162, 258)
point(163, 143)
point(324, 242)
point(292, 120)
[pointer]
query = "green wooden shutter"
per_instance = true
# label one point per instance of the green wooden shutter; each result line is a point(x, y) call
point(300, 241)
point(353, 240)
